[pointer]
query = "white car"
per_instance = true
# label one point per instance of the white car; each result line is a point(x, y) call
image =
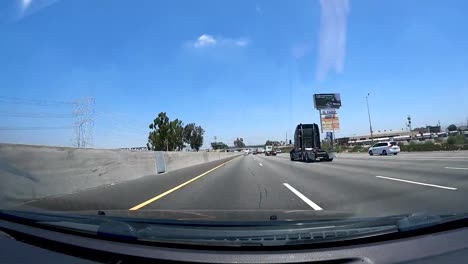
point(384, 148)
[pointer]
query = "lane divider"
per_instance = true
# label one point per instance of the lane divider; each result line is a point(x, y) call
point(455, 168)
point(419, 183)
point(303, 197)
point(136, 207)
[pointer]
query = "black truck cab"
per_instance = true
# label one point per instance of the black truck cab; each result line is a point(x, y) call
point(307, 145)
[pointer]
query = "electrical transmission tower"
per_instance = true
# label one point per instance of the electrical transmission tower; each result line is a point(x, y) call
point(83, 124)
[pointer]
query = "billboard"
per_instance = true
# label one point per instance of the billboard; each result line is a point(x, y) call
point(331, 125)
point(329, 120)
point(324, 101)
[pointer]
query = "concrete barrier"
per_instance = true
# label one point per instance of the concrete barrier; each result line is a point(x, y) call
point(177, 160)
point(34, 172)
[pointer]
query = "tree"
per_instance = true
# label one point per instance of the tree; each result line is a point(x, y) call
point(218, 145)
point(272, 143)
point(193, 135)
point(452, 127)
point(166, 135)
point(239, 143)
point(158, 138)
point(176, 135)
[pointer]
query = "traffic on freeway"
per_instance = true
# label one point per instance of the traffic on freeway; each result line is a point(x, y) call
point(355, 184)
point(207, 131)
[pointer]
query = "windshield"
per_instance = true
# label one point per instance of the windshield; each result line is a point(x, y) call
point(234, 111)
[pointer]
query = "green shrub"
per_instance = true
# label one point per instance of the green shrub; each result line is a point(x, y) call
point(357, 148)
point(460, 140)
point(451, 140)
point(329, 148)
point(426, 146)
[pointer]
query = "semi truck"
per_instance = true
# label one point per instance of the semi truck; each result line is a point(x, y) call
point(269, 151)
point(307, 145)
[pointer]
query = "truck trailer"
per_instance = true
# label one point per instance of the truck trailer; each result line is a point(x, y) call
point(307, 145)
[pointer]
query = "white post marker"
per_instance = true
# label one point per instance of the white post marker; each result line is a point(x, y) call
point(419, 183)
point(303, 197)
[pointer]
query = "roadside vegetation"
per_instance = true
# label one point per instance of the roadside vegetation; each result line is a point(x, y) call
point(167, 135)
point(458, 142)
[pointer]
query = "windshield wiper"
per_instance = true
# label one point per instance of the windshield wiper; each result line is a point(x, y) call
point(419, 221)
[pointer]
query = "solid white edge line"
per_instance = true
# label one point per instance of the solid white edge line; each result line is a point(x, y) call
point(260, 164)
point(420, 183)
point(303, 198)
point(456, 168)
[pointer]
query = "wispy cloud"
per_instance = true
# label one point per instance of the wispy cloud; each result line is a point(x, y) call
point(241, 42)
point(332, 38)
point(205, 40)
point(29, 7)
point(300, 50)
point(259, 10)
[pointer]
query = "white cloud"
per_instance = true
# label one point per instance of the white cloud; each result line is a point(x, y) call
point(206, 40)
point(332, 38)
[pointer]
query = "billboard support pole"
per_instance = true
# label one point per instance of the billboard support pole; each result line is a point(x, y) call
point(320, 116)
point(333, 131)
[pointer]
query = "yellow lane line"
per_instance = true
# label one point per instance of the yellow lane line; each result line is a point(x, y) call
point(136, 207)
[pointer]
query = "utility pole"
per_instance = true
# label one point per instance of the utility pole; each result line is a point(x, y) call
point(370, 122)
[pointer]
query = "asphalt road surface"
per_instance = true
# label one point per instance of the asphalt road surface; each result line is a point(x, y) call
point(356, 183)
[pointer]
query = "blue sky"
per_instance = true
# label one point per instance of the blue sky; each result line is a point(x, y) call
point(238, 68)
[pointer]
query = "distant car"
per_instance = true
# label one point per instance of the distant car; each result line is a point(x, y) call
point(384, 148)
point(278, 151)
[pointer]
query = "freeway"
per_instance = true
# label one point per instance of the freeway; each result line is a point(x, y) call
point(357, 183)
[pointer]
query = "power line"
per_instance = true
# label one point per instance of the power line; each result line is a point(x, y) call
point(35, 115)
point(29, 101)
point(35, 128)
point(120, 123)
point(118, 129)
point(120, 118)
